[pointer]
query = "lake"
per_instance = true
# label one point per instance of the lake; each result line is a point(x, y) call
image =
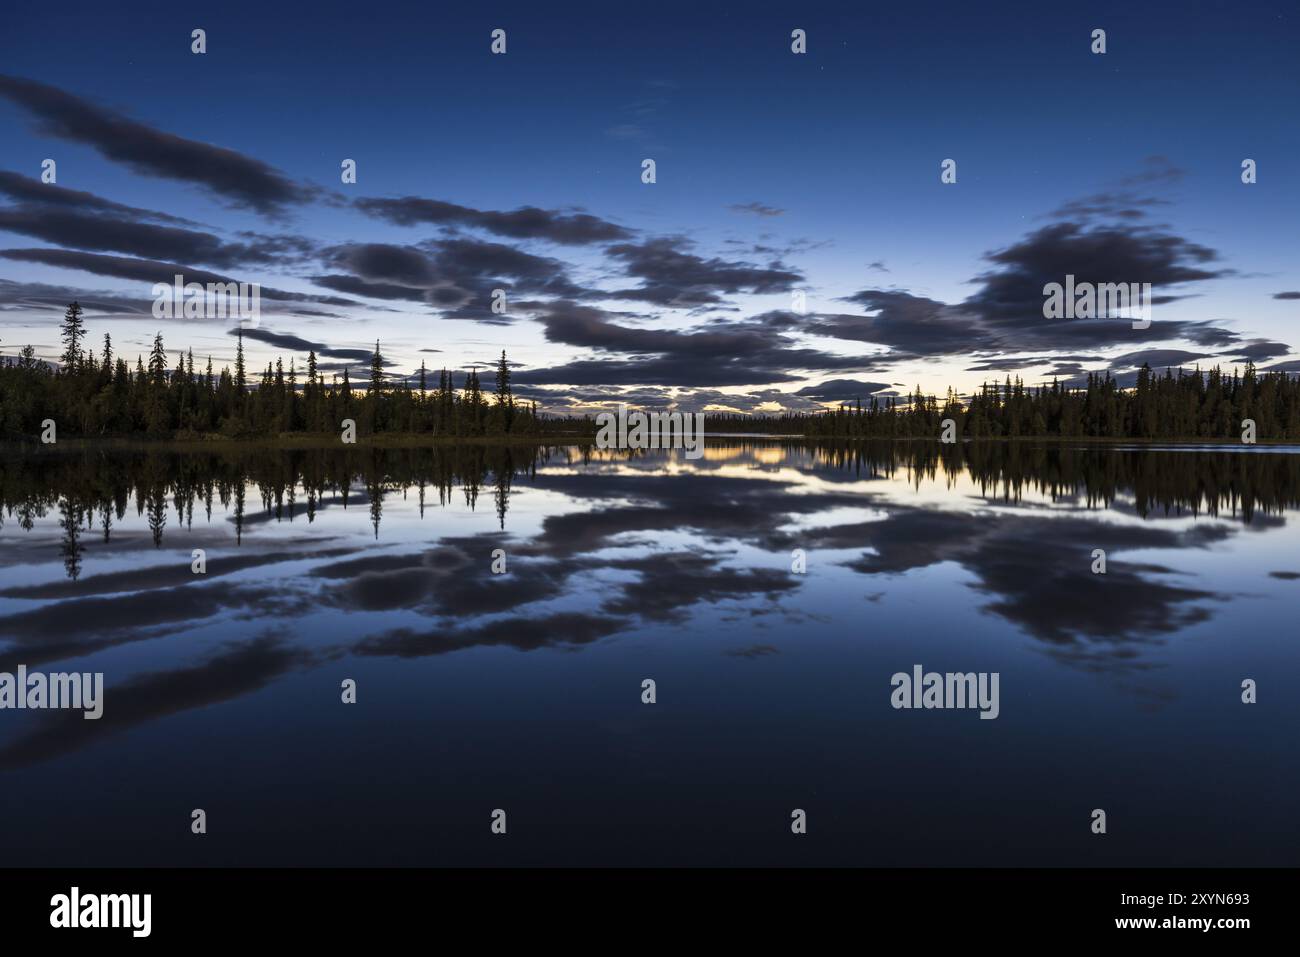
point(499, 610)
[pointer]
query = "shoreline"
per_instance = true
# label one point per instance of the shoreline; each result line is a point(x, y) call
point(410, 440)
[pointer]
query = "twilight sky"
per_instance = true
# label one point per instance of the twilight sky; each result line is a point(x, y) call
point(776, 173)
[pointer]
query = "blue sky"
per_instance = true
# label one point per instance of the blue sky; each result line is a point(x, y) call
point(776, 172)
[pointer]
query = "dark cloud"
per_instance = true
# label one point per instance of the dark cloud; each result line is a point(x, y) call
point(67, 227)
point(527, 222)
point(775, 251)
point(298, 344)
point(1157, 170)
point(456, 276)
point(841, 389)
point(672, 276)
point(1118, 205)
point(26, 189)
point(1286, 295)
point(719, 355)
point(1012, 293)
point(1258, 350)
point(233, 176)
point(909, 325)
point(25, 296)
point(476, 265)
point(758, 209)
point(1005, 314)
point(1125, 203)
point(151, 271)
point(1013, 363)
point(1155, 358)
point(372, 290)
point(384, 262)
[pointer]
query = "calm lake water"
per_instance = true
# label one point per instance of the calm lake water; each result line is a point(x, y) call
point(523, 691)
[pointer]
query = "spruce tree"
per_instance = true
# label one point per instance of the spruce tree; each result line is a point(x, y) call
point(505, 401)
point(376, 372)
point(241, 378)
point(73, 330)
point(158, 362)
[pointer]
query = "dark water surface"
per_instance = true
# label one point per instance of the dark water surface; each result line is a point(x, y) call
point(522, 691)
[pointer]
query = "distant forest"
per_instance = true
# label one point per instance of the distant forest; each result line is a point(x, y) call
point(94, 395)
point(1175, 405)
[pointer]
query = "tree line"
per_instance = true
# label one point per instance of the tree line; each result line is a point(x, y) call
point(102, 395)
point(1179, 404)
point(88, 394)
